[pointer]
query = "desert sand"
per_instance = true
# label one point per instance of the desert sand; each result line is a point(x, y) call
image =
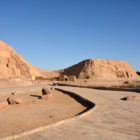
point(34, 112)
point(111, 118)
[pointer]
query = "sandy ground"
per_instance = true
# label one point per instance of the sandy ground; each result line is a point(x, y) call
point(17, 82)
point(34, 112)
point(13, 82)
point(111, 119)
point(103, 82)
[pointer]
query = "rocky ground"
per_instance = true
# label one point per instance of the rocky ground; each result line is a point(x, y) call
point(34, 112)
point(111, 118)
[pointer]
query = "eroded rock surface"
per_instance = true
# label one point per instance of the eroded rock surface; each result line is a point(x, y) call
point(13, 65)
point(99, 68)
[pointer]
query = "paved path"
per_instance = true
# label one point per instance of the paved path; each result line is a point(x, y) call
point(112, 119)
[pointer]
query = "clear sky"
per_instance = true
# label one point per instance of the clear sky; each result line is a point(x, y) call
point(54, 34)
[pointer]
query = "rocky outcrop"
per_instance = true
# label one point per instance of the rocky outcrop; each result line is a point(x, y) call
point(13, 65)
point(98, 68)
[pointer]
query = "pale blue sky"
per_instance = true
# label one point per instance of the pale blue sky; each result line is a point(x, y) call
point(54, 34)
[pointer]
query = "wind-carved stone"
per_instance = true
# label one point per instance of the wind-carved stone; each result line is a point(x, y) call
point(13, 65)
point(99, 68)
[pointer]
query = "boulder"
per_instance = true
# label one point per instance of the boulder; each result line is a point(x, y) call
point(3, 104)
point(14, 100)
point(46, 91)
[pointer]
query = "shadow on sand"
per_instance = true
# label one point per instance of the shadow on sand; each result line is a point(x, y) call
point(86, 103)
point(37, 96)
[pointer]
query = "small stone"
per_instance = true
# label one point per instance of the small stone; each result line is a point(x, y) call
point(52, 88)
point(14, 100)
point(13, 93)
point(45, 91)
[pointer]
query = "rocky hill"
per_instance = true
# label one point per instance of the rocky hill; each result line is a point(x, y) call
point(98, 68)
point(13, 65)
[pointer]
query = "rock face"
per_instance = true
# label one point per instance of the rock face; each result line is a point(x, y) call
point(98, 68)
point(13, 65)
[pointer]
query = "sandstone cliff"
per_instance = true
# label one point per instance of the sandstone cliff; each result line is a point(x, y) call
point(98, 68)
point(13, 65)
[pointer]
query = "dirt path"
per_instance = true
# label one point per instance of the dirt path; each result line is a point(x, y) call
point(111, 119)
point(34, 112)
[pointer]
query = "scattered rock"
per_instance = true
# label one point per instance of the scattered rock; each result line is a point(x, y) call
point(14, 100)
point(46, 91)
point(3, 104)
point(13, 93)
point(52, 88)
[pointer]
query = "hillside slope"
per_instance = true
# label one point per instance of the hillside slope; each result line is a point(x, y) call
point(99, 68)
point(13, 65)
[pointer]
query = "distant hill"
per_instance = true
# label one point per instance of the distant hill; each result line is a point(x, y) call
point(13, 65)
point(99, 68)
